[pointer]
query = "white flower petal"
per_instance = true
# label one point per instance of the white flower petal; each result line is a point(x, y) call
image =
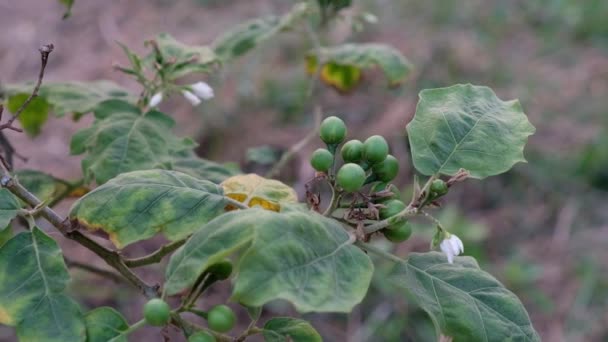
point(194, 100)
point(459, 244)
point(446, 248)
point(156, 99)
point(454, 244)
point(202, 90)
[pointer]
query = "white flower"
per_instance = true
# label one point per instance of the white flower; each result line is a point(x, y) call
point(202, 90)
point(194, 100)
point(156, 99)
point(451, 246)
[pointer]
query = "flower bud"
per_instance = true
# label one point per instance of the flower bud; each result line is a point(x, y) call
point(194, 100)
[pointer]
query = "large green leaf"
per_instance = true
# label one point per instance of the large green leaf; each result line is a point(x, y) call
point(304, 258)
point(249, 34)
point(122, 139)
point(466, 126)
point(180, 59)
point(136, 205)
point(33, 117)
point(33, 277)
point(105, 323)
point(213, 242)
point(9, 206)
point(463, 301)
point(72, 97)
point(284, 329)
point(394, 65)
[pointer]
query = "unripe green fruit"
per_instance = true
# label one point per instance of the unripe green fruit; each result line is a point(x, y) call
point(201, 336)
point(157, 312)
point(221, 270)
point(375, 149)
point(398, 232)
point(332, 130)
point(221, 318)
point(393, 207)
point(352, 151)
point(387, 169)
point(321, 160)
point(439, 187)
point(350, 177)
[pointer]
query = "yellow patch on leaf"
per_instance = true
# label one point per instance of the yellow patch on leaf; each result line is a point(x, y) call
point(256, 191)
point(5, 318)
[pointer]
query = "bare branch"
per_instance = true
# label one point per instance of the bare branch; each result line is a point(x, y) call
point(156, 256)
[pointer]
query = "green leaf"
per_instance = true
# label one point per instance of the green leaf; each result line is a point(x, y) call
point(9, 206)
point(284, 329)
point(202, 168)
point(56, 318)
point(301, 257)
point(43, 185)
point(466, 126)
point(104, 323)
point(208, 245)
point(6, 234)
point(68, 7)
point(33, 117)
point(33, 277)
point(135, 206)
point(72, 97)
point(463, 301)
point(122, 140)
point(394, 65)
point(180, 59)
point(251, 33)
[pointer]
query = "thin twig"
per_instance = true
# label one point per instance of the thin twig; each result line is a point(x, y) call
point(293, 150)
point(45, 51)
point(94, 269)
point(156, 256)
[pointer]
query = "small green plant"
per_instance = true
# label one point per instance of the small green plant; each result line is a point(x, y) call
point(250, 233)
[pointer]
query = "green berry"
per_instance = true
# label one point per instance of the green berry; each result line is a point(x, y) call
point(332, 130)
point(350, 177)
point(201, 336)
point(157, 312)
point(221, 318)
point(393, 207)
point(387, 169)
point(375, 149)
point(321, 160)
point(398, 232)
point(221, 270)
point(439, 187)
point(352, 151)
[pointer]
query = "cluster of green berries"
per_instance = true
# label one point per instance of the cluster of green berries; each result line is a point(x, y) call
point(359, 157)
point(364, 163)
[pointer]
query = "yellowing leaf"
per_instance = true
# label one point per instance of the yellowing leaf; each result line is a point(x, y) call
point(342, 77)
point(254, 190)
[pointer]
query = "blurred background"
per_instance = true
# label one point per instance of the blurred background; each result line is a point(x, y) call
point(541, 228)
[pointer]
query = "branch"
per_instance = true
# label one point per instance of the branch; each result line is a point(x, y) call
point(156, 256)
point(45, 51)
point(93, 269)
point(293, 150)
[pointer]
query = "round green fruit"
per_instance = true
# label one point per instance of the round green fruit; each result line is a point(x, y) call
point(352, 151)
point(321, 160)
point(375, 149)
point(387, 169)
point(157, 312)
point(221, 318)
point(350, 177)
point(201, 336)
point(332, 130)
point(398, 232)
point(439, 187)
point(221, 270)
point(393, 207)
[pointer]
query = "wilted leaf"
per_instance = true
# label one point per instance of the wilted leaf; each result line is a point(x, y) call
point(33, 117)
point(72, 97)
point(43, 185)
point(466, 126)
point(103, 324)
point(249, 34)
point(301, 257)
point(463, 301)
point(342, 77)
point(287, 329)
point(180, 59)
point(137, 205)
point(122, 139)
point(362, 56)
point(253, 190)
